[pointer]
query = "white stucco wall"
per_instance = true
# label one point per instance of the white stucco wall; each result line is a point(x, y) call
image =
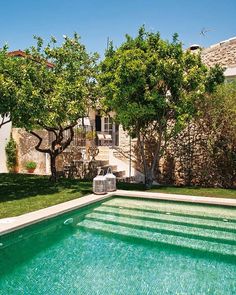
point(5, 132)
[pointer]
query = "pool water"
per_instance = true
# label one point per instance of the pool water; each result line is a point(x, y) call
point(124, 246)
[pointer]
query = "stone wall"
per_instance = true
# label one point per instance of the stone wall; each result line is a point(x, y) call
point(27, 152)
point(199, 156)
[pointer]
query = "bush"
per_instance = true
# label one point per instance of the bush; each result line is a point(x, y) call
point(11, 153)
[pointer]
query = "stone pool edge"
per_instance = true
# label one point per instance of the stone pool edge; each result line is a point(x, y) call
point(13, 223)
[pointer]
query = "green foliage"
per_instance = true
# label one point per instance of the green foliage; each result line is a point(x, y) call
point(30, 165)
point(149, 79)
point(11, 153)
point(214, 78)
point(90, 135)
point(153, 86)
point(57, 86)
point(57, 93)
point(9, 84)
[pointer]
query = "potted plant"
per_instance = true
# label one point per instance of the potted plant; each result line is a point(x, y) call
point(30, 166)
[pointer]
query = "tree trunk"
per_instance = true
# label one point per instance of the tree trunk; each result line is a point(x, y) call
point(58, 145)
point(148, 178)
point(149, 168)
point(53, 176)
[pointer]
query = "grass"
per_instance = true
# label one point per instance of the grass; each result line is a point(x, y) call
point(192, 190)
point(21, 193)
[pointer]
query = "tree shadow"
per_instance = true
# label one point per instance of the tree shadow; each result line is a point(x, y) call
point(20, 186)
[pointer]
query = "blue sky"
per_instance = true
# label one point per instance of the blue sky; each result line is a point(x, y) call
point(95, 20)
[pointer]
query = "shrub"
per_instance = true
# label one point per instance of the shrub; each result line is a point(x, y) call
point(11, 153)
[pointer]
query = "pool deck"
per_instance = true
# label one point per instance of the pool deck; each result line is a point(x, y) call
point(13, 223)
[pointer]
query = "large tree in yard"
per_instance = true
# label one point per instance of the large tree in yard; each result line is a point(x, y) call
point(10, 79)
point(57, 88)
point(153, 86)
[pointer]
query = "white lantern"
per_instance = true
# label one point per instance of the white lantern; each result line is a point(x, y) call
point(111, 180)
point(100, 184)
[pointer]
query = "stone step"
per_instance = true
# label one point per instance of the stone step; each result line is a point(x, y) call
point(119, 174)
point(102, 157)
point(126, 179)
point(102, 163)
point(159, 237)
point(113, 168)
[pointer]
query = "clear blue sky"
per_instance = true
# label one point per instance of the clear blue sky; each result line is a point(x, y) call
point(95, 20)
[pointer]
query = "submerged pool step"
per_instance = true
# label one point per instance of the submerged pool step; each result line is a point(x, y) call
point(157, 237)
point(176, 208)
point(167, 217)
point(167, 228)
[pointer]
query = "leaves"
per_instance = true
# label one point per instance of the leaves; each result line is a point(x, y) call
point(149, 81)
point(58, 84)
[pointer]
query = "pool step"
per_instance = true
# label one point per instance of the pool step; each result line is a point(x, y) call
point(158, 237)
point(167, 217)
point(166, 228)
point(217, 213)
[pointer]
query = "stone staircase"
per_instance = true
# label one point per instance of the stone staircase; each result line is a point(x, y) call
point(103, 162)
point(195, 231)
point(105, 165)
point(103, 153)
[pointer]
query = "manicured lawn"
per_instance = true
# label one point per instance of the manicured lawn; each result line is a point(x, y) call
point(192, 191)
point(21, 193)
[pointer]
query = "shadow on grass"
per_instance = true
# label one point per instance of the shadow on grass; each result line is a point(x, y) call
point(141, 187)
point(20, 186)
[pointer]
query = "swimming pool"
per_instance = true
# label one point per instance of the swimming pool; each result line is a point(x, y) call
point(124, 246)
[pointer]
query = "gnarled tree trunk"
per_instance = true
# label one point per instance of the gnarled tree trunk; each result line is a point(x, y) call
point(57, 146)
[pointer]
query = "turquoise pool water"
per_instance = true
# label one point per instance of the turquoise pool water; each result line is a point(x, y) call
point(124, 246)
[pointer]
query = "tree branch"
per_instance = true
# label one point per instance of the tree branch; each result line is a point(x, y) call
point(3, 120)
point(69, 140)
point(37, 147)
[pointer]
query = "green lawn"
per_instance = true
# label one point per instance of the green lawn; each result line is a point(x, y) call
point(21, 193)
point(192, 191)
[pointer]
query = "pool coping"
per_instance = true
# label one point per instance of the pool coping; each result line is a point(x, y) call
point(13, 223)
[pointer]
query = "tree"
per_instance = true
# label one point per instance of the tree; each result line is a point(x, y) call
point(58, 86)
point(9, 81)
point(152, 85)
